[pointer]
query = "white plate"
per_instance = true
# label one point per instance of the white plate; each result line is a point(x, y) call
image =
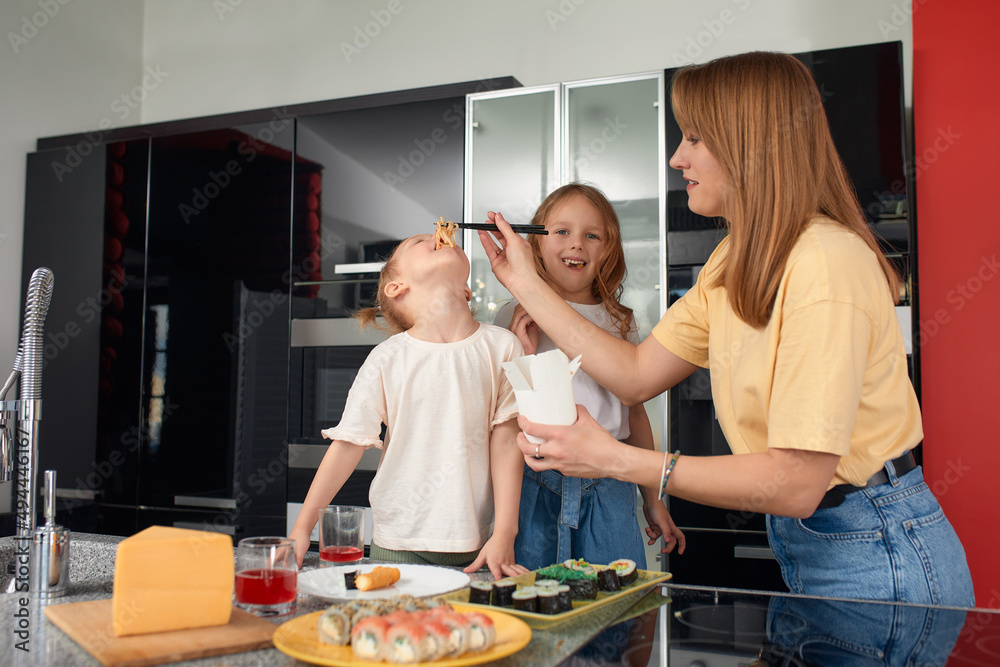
point(416, 580)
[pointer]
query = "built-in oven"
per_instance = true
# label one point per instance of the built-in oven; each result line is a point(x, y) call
point(327, 349)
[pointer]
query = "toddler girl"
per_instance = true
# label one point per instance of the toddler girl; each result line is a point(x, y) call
point(448, 481)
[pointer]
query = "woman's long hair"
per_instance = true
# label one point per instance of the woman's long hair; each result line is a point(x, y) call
point(761, 115)
point(609, 282)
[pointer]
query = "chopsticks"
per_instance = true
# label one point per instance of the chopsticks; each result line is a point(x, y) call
point(490, 227)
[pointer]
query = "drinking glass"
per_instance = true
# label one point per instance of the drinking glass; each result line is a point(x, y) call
point(341, 534)
point(266, 575)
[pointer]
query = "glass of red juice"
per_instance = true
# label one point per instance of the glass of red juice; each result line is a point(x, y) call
point(341, 534)
point(266, 575)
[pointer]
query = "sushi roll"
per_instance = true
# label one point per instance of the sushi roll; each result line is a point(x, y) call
point(405, 643)
point(334, 626)
point(349, 580)
point(607, 580)
point(398, 616)
point(627, 573)
point(438, 642)
point(480, 592)
point(503, 592)
point(578, 565)
point(565, 599)
point(548, 601)
point(525, 599)
point(482, 634)
point(458, 631)
point(546, 583)
point(368, 638)
point(362, 613)
point(583, 589)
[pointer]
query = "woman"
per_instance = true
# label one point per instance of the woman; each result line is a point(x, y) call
point(794, 316)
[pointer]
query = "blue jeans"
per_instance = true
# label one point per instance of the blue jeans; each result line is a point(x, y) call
point(831, 632)
point(569, 517)
point(886, 542)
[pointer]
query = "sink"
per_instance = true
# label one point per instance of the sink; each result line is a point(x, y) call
point(91, 557)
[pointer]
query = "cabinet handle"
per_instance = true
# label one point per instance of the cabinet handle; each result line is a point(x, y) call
point(751, 551)
point(360, 267)
point(198, 501)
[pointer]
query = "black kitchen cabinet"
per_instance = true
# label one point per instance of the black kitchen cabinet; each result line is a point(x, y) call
point(179, 252)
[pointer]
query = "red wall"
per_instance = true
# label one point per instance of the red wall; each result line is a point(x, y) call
point(956, 114)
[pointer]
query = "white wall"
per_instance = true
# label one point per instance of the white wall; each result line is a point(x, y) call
point(64, 67)
point(187, 58)
point(244, 54)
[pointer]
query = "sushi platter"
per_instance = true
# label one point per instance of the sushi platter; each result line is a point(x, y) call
point(301, 638)
point(558, 593)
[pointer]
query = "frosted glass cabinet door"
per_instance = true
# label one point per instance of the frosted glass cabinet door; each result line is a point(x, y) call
point(612, 139)
point(511, 164)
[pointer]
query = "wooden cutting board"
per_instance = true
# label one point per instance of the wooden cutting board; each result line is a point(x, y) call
point(89, 625)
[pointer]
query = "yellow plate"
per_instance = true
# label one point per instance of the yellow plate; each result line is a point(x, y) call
point(646, 580)
point(299, 639)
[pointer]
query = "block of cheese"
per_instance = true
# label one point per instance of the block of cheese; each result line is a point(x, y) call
point(172, 579)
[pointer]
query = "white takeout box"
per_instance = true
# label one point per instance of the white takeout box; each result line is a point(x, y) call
point(543, 387)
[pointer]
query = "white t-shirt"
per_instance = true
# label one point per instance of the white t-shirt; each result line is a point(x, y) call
point(603, 406)
point(439, 402)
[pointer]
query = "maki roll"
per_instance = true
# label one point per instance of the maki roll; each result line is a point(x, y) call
point(458, 631)
point(548, 601)
point(578, 565)
point(546, 583)
point(480, 592)
point(368, 638)
point(525, 600)
point(482, 634)
point(565, 599)
point(627, 573)
point(503, 592)
point(582, 589)
point(349, 580)
point(437, 642)
point(334, 626)
point(607, 580)
point(405, 643)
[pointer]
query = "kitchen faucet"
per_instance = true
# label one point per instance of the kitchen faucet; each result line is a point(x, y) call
point(20, 452)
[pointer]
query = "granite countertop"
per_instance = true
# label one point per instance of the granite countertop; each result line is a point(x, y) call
point(91, 572)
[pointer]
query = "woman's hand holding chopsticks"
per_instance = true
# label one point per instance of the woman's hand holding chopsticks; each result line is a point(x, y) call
point(509, 254)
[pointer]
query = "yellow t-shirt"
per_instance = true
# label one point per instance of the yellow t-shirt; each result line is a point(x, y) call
point(827, 373)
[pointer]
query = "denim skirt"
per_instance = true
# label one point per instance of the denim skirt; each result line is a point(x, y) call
point(569, 517)
point(886, 542)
